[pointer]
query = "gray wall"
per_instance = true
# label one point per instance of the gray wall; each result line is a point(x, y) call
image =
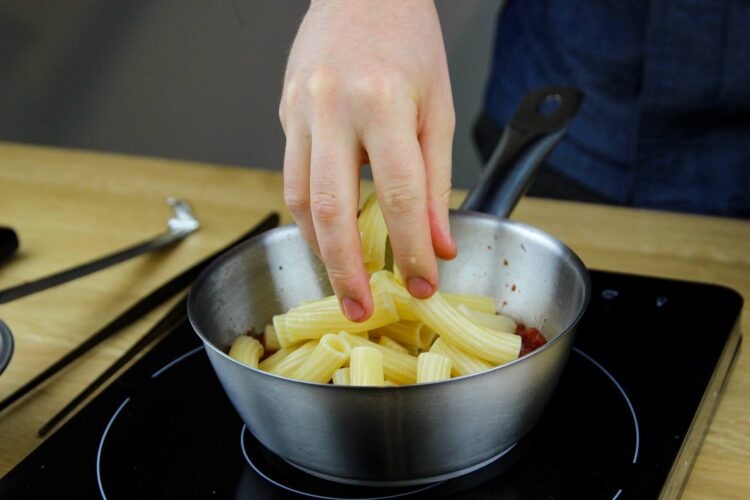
point(186, 79)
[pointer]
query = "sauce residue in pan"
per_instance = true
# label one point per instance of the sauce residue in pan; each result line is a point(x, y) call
point(531, 338)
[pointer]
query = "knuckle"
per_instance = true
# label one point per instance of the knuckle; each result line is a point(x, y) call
point(320, 85)
point(325, 207)
point(289, 93)
point(296, 201)
point(444, 124)
point(402, 199)
point(450, 121)
point(282, 117)
point(378, 88)
point(291, 104)
point(339, 264)
point(338, 275)
point(444, 194)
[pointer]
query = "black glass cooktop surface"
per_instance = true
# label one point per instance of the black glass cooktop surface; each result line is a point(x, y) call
point(626, 420)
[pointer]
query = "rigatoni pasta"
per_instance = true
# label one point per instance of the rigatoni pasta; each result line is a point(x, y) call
point(279, 328)
point(405, 341)
point(392, 344)
point(384, 280)
point(407, 333)
point(373, 234)
point(433, 367)
point(287, 364)
point(479, 303)
point(327, 357)
point(496, 322)
point(461, 362)
point(462, 331)
point(366, 366)
point(246, 350)
point(270, 339)
point(314, 319)
point(398, 367)
point(341, 377)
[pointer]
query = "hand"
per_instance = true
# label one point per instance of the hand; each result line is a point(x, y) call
point(367, 81)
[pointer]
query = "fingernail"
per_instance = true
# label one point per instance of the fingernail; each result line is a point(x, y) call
point(420, 287)
point(352, 309)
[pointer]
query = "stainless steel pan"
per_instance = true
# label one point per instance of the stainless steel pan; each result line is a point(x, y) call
point(420, 433)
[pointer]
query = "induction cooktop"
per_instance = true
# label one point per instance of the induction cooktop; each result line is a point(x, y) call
point(627, 419)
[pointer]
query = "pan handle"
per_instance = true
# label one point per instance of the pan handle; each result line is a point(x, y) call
point(538, 124)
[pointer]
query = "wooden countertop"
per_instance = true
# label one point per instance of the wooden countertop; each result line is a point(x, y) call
point(72, 206)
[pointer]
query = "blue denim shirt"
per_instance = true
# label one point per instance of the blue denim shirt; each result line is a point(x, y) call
point(666, 120)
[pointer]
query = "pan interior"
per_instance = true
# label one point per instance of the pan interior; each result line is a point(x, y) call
point(532, 277)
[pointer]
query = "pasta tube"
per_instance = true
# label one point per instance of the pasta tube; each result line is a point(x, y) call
point(398, 367)
point(426, 337)
point(392, 344)
point(366, 366)
point(327, 357)
point(480, 303)
point(385, 280)
point(432, 367)
point(373, 234)
point(270, 340)
point(279, 326)
point(314, 319)
point(363, 335)
point(496, 322)
point(341, 377)
point(285, 361)
point(390, 383)
point(407, 333)
point(462, 331)
point(461, 363)
point(246, 350)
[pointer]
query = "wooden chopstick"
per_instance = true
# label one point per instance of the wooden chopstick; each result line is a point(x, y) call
point(136, 311)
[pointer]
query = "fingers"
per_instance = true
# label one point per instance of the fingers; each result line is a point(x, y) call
point(413, 181)
point(399, 173)
point(334, 195)
point(297, 181)
point(436, 141)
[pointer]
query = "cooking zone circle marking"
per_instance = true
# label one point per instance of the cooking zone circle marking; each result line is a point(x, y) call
point(624, 395)
point(175, 361)
point(117, 412)
point(101, 446)
point(311, 495)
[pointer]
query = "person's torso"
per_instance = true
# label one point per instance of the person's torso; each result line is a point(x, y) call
point(666, 120)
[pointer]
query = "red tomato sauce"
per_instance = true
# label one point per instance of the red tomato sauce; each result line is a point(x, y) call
point(531, 338)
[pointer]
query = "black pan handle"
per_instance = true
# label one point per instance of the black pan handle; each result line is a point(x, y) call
point(538, 124)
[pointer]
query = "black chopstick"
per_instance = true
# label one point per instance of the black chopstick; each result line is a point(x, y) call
point(174, 316)
point(53, 280)
point(136, 311)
